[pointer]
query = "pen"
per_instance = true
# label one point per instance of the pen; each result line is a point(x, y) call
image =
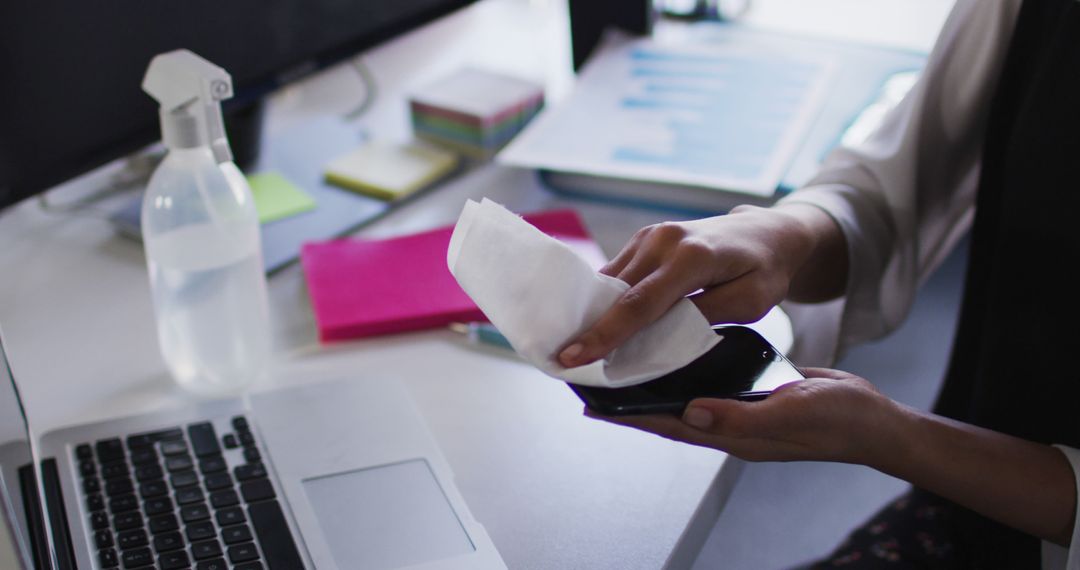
point(483, 333)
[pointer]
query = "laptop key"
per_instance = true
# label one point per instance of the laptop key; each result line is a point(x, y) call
point(175, 447)
point(201, 530)
point(257, 490)
point(119, 487)
point(148, 472)
point(109, 450)
point(114, 470)
point(178, 463)
point(249, 566)
point(243, 553)
point(230, 441)
point(128, 521)
point(139, 441)
point(164, 523)
point(95, 502)
point(108, 558)
point(174, 560)
point(144, 456)
point(87, 468)
point(99, 520)
point(183, 479)
point(240, 423)
point(250, 471)
point(222, 499)
point(274, 536)
point(103, 538)
point(212, 464)
point(206, 550)
point(230, 516)
point(218, 481)
point(189, 495)
point(84, 451)
point(192, 513)
point(251, 454)
point(138, 557)
point(123, 503)
point(91, 485)
point(130, 539)
point(203, 439)
point(215, 564)
point(157, 506)
point(236, 534)
point(152, 489)
point(169, 541)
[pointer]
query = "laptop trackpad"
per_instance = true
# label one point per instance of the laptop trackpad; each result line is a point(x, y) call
point(386, 517)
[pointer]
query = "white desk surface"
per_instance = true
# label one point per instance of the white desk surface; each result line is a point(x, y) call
point(553, 489)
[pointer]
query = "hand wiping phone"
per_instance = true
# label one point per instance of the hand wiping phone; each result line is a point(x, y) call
point(541, 295)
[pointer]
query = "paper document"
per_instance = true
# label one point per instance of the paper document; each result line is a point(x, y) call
point(711, 114)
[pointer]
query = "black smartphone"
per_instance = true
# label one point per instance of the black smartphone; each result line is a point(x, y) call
point(743, 365)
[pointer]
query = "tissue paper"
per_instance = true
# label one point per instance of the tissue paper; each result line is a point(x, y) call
point(541, 295)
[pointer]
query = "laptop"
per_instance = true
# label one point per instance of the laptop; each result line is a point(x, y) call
point(332, 475)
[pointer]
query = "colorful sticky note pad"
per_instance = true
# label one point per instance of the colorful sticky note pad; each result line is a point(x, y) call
point(390, 171)
point(277, 198)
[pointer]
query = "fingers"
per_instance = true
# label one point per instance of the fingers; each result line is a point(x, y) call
point(637, 307)
point(718, 434)
point(741, 300)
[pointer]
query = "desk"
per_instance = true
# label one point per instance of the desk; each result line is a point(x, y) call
point(553, 489)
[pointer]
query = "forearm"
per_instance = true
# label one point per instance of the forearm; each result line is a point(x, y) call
point(1027, 486)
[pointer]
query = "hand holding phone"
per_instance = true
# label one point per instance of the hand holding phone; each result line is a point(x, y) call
point(743, 366)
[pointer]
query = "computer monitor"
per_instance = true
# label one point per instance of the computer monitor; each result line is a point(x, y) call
point(70, 72)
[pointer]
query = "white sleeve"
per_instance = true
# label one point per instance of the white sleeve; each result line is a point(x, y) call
point(1055, 557)
point(906, 196)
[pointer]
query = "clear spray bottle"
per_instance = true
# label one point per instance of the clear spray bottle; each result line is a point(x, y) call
point(201, 235)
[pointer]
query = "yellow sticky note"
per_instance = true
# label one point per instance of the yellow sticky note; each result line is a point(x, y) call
point(276, 197)
point(388, 171)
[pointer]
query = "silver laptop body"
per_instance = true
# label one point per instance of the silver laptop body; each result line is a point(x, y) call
point(331, 475)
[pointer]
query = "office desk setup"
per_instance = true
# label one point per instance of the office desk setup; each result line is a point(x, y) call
point(552, 488)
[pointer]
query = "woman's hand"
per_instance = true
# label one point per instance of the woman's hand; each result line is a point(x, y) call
point(737, 267)
point(836, 416)
point(830, 416)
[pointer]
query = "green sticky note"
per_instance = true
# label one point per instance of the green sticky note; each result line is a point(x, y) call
point(276, 197)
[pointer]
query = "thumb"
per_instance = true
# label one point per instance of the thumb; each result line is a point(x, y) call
point(715, 414)
point(636, 308)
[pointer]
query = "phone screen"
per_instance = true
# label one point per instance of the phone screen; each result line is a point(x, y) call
point(742, 365)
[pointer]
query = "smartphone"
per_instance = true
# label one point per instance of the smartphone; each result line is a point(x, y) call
point(743, 366)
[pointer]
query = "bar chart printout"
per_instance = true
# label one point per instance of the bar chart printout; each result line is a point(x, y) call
point(707, 113)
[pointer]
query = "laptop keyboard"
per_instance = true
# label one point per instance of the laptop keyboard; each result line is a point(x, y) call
point(184, 498)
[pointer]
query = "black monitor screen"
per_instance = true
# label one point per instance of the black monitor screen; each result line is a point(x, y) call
point(70, 71)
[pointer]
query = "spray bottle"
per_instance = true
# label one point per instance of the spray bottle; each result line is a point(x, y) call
point(201, 235)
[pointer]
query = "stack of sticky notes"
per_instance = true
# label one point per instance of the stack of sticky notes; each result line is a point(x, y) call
point(362, 288)
point(390, 171)
point(475, 112)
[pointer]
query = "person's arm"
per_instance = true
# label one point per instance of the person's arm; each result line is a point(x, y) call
point(736, 267)
point(835, 416)
point(1027, 486)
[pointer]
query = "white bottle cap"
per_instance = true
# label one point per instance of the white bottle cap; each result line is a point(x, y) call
point(190, 89)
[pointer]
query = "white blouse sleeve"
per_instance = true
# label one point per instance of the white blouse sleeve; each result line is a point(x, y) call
point(906, 196)
point(1055, 557)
